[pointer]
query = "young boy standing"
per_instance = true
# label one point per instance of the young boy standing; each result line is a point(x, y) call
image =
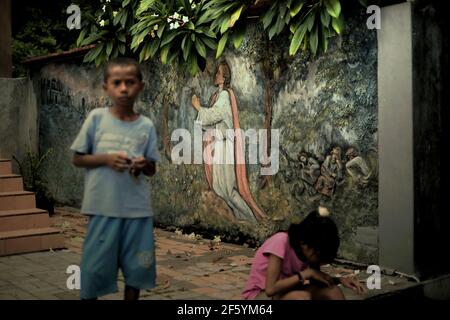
point(117, 147)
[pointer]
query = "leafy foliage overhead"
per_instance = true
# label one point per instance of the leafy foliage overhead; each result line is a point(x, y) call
point(184, 31)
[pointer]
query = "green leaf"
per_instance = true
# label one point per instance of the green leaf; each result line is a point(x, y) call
point(333, 7)
point(109, 48)
point(193, 37)
point(118, 17)
point(93, 53)
point(338, 24)
point(238, 35)
point(81, 37)
point(121, 37)
point(92, 38)
point(125, 3)
point(310, 21)
point(190, 25)
point(324, 38)
point(122, 48)
point(154, 45)
point(210, 43)
point(160, 30)
point(172, 56)
point(235, 16)
point(206, 32)
point(200, 47)
point(294, 26)
point(143, 51)
point(123, 21)
point(168, 37)
point(325, 18)
point(115, 53)
point(164, 53)
point(205, 17)
point(217, 23)
point(193, 65)
point(225, 25)
point(144, 5)
point(280, 25)
point(100, 59)
point(314, 40)
point(287, 18)
point(277, 27)
point(221, 46)
point(268, 16)
point(187, 7)
point(186, 48)
point(295, 10)
point(137, 39)
point(297, 39)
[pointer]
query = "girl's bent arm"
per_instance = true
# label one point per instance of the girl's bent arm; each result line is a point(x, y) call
point(274, 285)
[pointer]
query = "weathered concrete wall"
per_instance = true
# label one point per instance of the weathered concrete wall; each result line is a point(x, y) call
point(396, 138)
point(18, 118)
point(318, 103)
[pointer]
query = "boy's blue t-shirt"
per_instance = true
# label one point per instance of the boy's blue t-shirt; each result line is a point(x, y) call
point(108, 192)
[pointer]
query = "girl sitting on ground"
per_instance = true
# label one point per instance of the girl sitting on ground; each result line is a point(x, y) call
point(287, 265)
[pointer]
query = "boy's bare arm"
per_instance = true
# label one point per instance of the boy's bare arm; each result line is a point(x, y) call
point(116, 161)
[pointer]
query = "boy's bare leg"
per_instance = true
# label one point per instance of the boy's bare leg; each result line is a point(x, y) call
point(131, 294)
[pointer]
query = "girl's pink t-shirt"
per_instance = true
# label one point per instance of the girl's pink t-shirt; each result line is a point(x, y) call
point(278, 245)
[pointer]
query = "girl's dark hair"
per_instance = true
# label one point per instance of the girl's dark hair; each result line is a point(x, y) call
point(317, 232)
point(122, 62)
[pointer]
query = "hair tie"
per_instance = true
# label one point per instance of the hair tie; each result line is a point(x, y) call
point(323, 211)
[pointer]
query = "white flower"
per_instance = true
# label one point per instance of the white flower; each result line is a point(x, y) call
point(114, 13)
point(104, 8)
point(185, 19)
point(174, 25)
point(176, 15)
point(102, 23)
point(108, 0)
point(155, 27)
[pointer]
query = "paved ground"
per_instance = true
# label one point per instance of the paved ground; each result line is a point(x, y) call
point(188, 267)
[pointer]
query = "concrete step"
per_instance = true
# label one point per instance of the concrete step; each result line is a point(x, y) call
point(31, 240)
point(11, 182)
point(16, 200)
point(5, 166)
point(11, 220)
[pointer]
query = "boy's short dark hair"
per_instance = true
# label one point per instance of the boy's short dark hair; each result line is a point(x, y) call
point(122, 62)
point(317, 232)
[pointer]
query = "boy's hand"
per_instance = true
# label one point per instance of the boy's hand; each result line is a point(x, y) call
point(138, 165)
point(354, 284)
point(118, 161)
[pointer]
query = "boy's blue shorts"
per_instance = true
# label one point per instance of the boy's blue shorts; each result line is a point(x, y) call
point(113, 243)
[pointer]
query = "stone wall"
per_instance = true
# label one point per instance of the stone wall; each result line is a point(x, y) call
point(18, 119)
point(316, 103)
